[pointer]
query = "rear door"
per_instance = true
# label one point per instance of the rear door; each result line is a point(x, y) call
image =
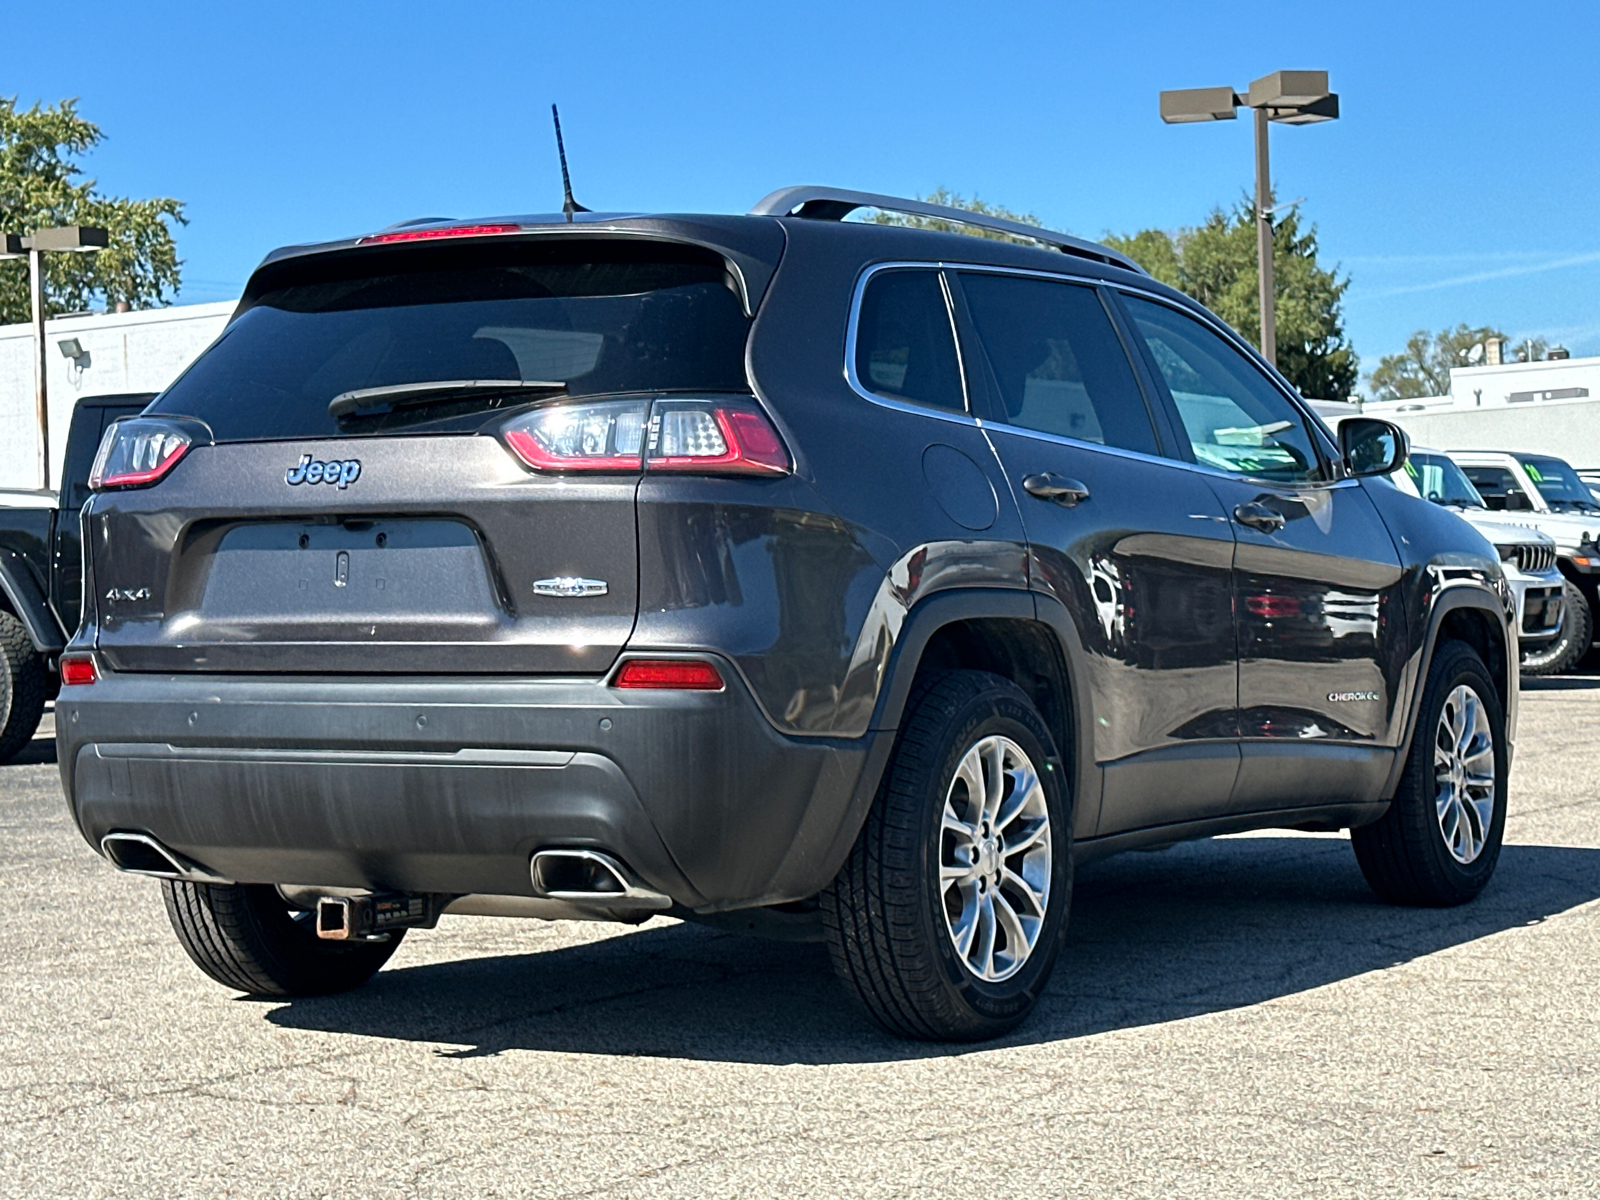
point(1316, 580)
point(401, 534)
point(1134, 545)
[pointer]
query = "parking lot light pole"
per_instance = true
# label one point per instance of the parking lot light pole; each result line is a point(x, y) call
point(1290, 97)
point(36, 245)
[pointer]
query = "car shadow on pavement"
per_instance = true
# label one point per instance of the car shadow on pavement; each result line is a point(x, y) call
point(39, 750)
point(1200, 928)
point(1560, 683)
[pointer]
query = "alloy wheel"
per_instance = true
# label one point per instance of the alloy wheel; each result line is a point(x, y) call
point(995, 858)
point(1464, 773)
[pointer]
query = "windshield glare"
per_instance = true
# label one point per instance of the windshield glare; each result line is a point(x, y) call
point(1558, 484)
point(592, 317)
point(1437, 478)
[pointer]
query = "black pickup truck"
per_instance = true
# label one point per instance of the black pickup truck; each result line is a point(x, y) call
point(41, 572)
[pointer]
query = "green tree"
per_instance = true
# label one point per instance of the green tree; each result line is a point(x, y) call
point(949, 199)
point(42, 185)
point(1423, 367)
point(1216, 264)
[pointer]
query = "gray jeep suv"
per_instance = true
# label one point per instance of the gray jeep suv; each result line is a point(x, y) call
point(781, 571)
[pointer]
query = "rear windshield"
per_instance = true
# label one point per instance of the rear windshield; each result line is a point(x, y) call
point(588, 317)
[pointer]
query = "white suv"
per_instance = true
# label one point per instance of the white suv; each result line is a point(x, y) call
point(1546, 493)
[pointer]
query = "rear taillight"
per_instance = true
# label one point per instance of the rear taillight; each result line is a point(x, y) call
point(428, 235)
point(138, 452)
point(605, 436)
point(704, 436)
point(78, 669)
point(714, 436)
point(676, 674)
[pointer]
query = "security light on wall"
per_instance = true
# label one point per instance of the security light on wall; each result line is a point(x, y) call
point(71, 348)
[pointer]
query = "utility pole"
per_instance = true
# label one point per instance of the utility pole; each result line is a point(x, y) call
point(1268, 296)
point(35, 245)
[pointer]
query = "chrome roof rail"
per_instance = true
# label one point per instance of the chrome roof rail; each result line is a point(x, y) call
point(834, 204)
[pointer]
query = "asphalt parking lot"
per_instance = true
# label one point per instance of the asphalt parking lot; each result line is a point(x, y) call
point(1236, 1017)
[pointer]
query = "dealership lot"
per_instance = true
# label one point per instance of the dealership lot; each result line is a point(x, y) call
point(1233, 1017)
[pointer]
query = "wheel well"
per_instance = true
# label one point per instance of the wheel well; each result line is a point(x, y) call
point(1473, 626)
point(1025, 652)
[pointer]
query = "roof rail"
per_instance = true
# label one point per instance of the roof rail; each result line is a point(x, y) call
point(834, 204)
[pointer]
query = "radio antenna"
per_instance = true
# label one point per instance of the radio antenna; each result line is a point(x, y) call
point(568, 205)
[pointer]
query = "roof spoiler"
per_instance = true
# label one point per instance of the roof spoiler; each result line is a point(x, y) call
point(834, 204)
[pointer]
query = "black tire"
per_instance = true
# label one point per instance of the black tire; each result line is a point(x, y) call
point(1404, 854)
point(247, 938)
point(24, 685)
point(885, 913)
point(1562, 652)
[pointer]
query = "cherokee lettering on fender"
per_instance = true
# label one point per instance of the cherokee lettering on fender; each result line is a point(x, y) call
point(1346, 697)
point(342, 472)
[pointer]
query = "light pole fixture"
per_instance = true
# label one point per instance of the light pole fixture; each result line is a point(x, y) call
point(1289, 97)
point(35, 246)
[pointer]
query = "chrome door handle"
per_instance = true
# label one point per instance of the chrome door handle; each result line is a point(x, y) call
point(1259, 516)
point(1050, 486)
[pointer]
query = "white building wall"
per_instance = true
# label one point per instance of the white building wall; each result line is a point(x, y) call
point(126, 352)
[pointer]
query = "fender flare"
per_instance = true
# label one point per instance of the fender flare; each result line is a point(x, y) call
point(29, 604)
point(1449, 600)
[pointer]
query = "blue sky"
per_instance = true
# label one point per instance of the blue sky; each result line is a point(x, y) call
point(1459, 185)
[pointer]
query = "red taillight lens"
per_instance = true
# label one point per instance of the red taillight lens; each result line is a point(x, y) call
point(713, 437)
point(78, 669)
point(709, 437)
point(606, 436)
point(427, 235)
point(137, 452)
point(687, 675)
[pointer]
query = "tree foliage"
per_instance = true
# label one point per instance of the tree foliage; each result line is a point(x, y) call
point(949, 199)
point(42, 185)
point(1423, 367)
point(1216, 264)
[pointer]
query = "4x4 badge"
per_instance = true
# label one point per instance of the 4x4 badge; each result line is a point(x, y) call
point(343, 472)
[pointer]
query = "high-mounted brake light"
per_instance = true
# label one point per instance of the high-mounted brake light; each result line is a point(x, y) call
point(676, 674)
point(78, 669)
point(428, 235)
point(137, 453)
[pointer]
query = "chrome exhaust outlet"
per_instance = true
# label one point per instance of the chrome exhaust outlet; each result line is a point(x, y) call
point(141, 854)
point(591, 878)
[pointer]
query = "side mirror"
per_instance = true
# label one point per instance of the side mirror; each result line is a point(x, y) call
point(1371, 446)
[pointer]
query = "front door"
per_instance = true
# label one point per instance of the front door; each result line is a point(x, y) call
point(1135, 546)
point(1316, 576)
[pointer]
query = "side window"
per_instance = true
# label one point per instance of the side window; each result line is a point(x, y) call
point(1058, 362)
point(1499, 489)
point(1236, 420)
point(904, 347)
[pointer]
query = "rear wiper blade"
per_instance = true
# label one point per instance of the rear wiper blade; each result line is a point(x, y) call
point(361, 399)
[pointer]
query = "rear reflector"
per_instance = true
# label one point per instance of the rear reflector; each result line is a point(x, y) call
point(428, 235)
point(688, 675)
point(138, 452)
point(78, 669)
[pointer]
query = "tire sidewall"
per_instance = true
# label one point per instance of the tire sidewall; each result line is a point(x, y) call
point(1461, 666)
point(989, 714)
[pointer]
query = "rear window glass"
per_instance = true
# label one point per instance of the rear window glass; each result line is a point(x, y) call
point(590, 317)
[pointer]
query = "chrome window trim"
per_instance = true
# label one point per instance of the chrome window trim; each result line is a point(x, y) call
point(859, 388)
point(1160, 460)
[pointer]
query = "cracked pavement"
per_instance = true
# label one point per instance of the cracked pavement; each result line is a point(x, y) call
point(1236, 1017)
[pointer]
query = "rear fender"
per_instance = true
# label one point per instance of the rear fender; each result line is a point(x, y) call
point(25, 598)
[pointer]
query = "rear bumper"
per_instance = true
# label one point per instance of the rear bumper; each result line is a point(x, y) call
point(449, 785)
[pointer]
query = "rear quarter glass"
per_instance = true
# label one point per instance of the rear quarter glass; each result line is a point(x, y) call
point(601, 317)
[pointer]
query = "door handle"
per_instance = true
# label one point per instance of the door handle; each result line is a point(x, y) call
point(1050, 486)
point(1258, 516)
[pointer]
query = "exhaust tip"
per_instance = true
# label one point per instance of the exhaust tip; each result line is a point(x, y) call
point(590, 877)
point(141, 854)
